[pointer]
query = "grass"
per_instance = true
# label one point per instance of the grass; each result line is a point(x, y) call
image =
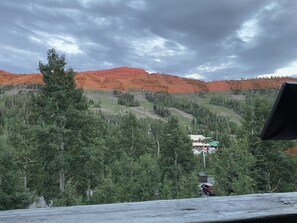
point(226, 112)
point(183, 118)
point(223, 111)
point(108, 103)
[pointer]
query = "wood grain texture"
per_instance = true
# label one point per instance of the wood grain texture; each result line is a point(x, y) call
point(245, 208)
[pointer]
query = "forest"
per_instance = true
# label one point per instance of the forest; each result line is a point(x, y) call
point(54, 146)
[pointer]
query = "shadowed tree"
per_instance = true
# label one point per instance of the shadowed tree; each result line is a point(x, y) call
point(13, 193)
point(177, 158)
point(67, 135)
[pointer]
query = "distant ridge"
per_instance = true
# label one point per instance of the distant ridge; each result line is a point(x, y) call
point(125, 78)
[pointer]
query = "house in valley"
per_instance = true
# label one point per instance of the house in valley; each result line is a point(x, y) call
point(204, 144)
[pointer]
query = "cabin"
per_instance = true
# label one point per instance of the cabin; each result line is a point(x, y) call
point(204, 144)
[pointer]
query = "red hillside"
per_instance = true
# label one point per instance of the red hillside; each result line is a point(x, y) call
point(125, 78)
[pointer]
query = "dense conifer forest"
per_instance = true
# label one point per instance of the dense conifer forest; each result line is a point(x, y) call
point(54, 145)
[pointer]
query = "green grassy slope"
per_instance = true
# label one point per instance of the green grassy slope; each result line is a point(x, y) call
point(108, 103)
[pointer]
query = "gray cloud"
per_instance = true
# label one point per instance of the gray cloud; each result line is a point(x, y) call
point(211, 39)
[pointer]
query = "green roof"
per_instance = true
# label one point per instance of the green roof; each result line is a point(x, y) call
point(214, 143)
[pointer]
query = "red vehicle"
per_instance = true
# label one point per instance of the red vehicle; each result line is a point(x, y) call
point(207, 189)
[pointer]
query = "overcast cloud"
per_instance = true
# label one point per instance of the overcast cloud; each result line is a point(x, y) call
point(206, 39)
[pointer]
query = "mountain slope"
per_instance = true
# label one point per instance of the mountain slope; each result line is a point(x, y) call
point(125, 78)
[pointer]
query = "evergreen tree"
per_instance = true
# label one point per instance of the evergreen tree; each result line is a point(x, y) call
point(65, 132)
point(146, 184)
point(177, 158)
point(269, 176)
point(13, 192)
point(233, 170)
point(177, 147)
point(132, 138)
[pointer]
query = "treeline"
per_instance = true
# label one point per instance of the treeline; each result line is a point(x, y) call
point(235, 105)
point(161, 110)
point(53, 146)
point(9, 87)
point(251, 165)
point(126, 99)
point(130, 160)
point(204, 122)
point(251, 95)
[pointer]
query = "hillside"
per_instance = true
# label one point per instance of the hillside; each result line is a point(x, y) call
point(124, 78)
point(136, 131)
point(99, 85)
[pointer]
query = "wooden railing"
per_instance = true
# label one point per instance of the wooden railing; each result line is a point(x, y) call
point(273, 207)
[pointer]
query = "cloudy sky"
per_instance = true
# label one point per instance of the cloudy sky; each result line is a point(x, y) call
point(205, 39)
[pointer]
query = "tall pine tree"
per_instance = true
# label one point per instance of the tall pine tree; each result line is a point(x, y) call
point(67, 141)
point(177, 158)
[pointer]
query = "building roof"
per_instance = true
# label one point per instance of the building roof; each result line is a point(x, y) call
point(214, 143)
point(197, 137)
point(200, 144)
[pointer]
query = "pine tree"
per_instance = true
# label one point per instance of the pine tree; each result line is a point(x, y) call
point(132, 138)
point(177, 158)
point(233, 170)
point(13, 193)
point(65, 132)
point(177, 147)
point(269, 176)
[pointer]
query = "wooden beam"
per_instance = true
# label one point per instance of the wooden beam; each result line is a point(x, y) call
point(273, 207)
